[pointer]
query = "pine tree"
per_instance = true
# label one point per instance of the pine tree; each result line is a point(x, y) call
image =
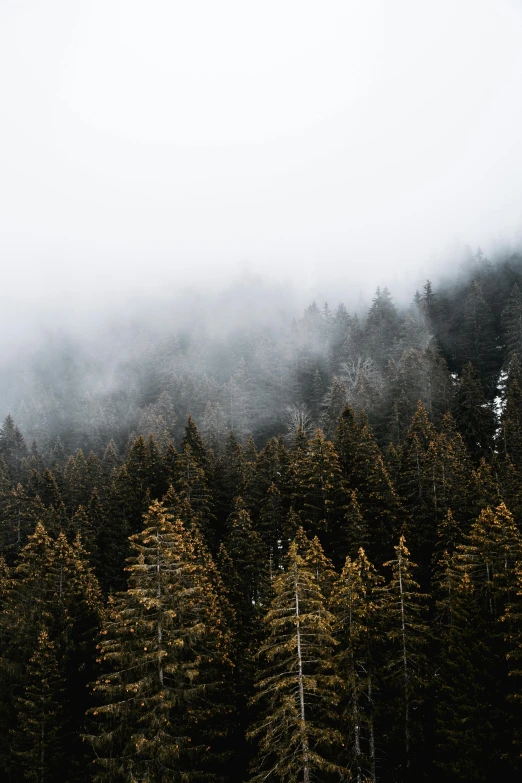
point(473, 415)
point(382, 327)
point(29, 601)
point(53, 589)
point(318, 487)
point(193, 439)
point(192, 483)
point(352, 532)
point(333, 404)
point(37, 741)
point(479, 337)
point(510, 436)
point(272, 529)
point(250, 568)
point(463, 681)
point(12, 447)
point(512, 323)
point(512, 624)
point(320, 565)
point(364, 470)
point(356, 604)
point(165, 652)
point(490, 555)
point(75, 490)
point(296, 684)
point(19, 514)
point(407, 634)
point(112, 539)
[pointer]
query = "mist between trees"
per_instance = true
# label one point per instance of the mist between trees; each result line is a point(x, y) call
point(283, 554)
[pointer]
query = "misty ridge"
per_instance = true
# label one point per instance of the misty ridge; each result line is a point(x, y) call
point(256, 360)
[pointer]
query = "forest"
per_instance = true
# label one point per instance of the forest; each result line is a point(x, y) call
point(289, 552)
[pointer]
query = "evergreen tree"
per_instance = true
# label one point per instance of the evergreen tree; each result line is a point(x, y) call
point(318, 487)
point(510, 436)
point(38, 742)
point(272, 529)
point(248, 579)
point(490, 555)
point(356, 604)
point(407, 634)
point(364, 470)
point(297, 685)
point(463, 714)
point(512, 323)
point(479, 337)
point(165, 654)
point(382, 327)
point(473, 415)
point(12, 447)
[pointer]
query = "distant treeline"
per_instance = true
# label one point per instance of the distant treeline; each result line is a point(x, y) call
point(265, 380)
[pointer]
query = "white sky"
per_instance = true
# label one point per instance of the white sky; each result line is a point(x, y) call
point(167, 142)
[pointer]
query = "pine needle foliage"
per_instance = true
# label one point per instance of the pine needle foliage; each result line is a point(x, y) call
point(297, 686)
point(356, 603)
point(37, 742)
point(165, 660)
point(407, 631)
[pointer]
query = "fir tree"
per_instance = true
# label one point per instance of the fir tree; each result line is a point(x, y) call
point(407, 633)
point(318, 486)
point(297, 685)
point(510, 436)
point(37, 742)
point(463, 714)
point(512, 323)
point(356, 604)
point(164, 650)
point(473, 415)
point(479, 336)
point(364, 470)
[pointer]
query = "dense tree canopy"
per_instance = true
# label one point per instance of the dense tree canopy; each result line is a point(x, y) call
point(291, 556)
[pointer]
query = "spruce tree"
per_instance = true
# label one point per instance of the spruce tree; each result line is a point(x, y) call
point(478, 337)
point(510, 436)
point(463, 735)
point(512, 323)
point(474, 417)
point(356, 604)
point(164, 653)
point(318, 494)
point(364, 470)
point(405, 609)
point(38, 745)
point(490, 555)
point(297, 685)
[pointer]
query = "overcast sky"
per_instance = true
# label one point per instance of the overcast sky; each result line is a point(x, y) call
point(147, 144)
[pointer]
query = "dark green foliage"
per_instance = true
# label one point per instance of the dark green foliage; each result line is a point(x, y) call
point(479, 336)
point(512, 323)
point(474, 416)
point(406, 669)
point(357, 603)
point(364, 470)
point(38, 744)
point(464, 732)
point(392, 692)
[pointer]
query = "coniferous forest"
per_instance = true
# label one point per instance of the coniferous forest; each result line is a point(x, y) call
point(291, 553)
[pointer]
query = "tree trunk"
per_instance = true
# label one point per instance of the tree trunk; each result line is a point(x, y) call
point(304, 738)
point(405, 670)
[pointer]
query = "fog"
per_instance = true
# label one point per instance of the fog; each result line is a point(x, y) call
point(153, 145)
